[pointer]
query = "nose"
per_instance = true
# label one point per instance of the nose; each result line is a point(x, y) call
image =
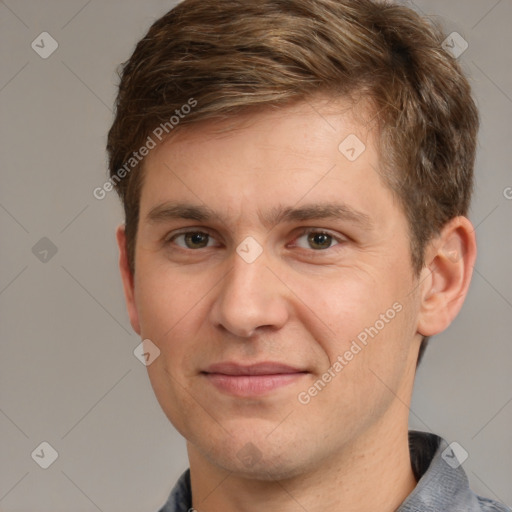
point(251, 297)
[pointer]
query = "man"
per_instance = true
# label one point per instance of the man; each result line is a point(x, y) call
point(296, 176)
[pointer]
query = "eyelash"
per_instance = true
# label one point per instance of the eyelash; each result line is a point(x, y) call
point(305, 231)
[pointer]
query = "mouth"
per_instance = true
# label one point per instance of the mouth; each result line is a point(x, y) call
point(252, 380)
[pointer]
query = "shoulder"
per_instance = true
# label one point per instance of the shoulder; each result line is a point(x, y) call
point(488, 505)
point(180, 499)
point(442, 482)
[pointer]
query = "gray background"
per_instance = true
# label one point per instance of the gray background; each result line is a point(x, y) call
point(68, 375)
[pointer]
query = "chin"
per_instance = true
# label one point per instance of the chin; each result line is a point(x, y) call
point(260, 460)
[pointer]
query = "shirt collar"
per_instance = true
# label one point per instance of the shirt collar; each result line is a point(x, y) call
point(442, 483)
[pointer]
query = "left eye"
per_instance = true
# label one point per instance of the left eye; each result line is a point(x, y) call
point(317, 239)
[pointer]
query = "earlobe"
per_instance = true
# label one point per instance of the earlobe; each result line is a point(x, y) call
point(445, 280)
point(128, 279)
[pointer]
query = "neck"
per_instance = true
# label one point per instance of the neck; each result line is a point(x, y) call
point(373, 473)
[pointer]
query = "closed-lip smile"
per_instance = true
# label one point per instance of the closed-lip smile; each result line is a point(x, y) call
point(251, 380)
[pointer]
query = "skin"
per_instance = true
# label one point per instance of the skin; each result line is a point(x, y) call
point(302, 302)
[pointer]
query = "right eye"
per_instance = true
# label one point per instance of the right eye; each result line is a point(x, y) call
point(191, 240)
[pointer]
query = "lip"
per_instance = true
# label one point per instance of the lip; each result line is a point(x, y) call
point(263, 368)
point(252, 380)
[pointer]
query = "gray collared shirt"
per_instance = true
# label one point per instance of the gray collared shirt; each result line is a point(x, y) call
point(442, 483)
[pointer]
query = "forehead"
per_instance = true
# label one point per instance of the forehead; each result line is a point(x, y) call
point(356, 114)
point(318, 151)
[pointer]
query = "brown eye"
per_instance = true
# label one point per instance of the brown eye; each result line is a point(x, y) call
point(320, 240)
point(317, 240)
point(192, 240)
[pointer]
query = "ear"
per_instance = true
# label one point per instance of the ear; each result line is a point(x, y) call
point(445, 279)
point(128, 281)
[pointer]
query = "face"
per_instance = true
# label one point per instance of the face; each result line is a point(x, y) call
point(273, 273)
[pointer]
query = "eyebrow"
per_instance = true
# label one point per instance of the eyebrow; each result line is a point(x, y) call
point(176, 210)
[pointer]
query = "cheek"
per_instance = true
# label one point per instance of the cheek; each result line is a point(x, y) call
point(165, 297)
point(368, 362)
point(174, 307)
point(170, 305)
point(365, 320)
point(344, 304)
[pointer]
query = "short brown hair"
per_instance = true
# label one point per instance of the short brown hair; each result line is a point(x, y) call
point(232, 55)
